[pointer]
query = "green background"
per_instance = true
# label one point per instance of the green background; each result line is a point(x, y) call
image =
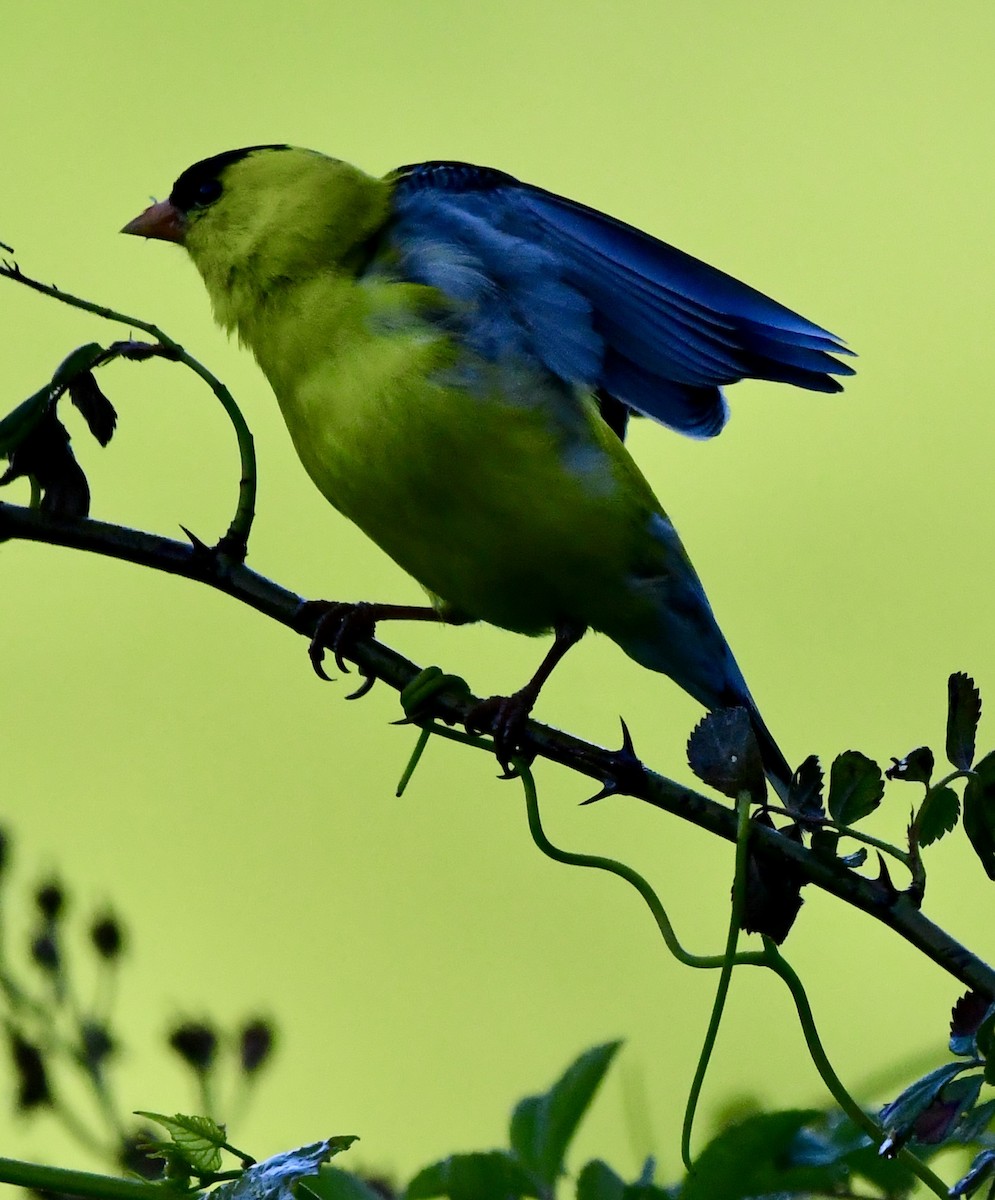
point(171, 752)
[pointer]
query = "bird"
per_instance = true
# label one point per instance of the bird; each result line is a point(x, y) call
point(456, 354)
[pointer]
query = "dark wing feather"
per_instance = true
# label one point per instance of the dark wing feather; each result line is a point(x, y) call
point(598, 302)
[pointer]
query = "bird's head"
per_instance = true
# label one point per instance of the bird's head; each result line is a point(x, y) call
point(256, 218)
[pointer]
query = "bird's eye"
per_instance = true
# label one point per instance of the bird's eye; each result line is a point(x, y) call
point(207, 193)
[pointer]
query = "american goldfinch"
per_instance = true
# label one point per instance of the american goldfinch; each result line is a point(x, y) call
point(456, 353)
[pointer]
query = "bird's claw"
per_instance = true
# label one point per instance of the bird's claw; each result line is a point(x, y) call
point(505, 719)
point(338, 627)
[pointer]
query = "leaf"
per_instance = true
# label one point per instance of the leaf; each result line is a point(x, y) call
point(198, 1140)
point(542, 1126)
point(935, 1124)
point(723, 752)
point(915, 767)
point(274, 1178)
point(80, 361)
point(982, 1169)
point(899, 1117)
point(963, 715)
point(18, 423)
point(491, 1175)
point(97, 410)
point(332, 1184)
point(754, 1158)
point(856, 859)
point(597, 1181)
point(939, 813)
point(805, 791)
point(966, 1017)
point(979, 812)
point(855, 787)
point(772, 897)
point(44, 455)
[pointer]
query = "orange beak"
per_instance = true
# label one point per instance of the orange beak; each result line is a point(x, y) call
point(163, 221)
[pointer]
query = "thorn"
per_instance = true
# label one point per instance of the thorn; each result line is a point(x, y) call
point(364, 688)
point(199, 546)
point(627, 747)
point(608, 789)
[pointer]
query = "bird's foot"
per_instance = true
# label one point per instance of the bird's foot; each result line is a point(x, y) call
point(337, 626)
point(505, 719)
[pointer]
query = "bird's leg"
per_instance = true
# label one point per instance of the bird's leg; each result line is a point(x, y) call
point(504, 717)
point(336, 625)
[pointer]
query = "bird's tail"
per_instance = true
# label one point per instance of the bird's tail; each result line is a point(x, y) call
point(775, 764)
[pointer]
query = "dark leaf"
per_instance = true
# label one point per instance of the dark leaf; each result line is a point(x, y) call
point(825, 843)
point(134, 1157)
point(965, 1020)
point(855, 787)
point(982, 1169)
point(33, 1089)
point(805, 792)
point(939, 814)
point(195, 1042)
point(332, 1184)
point(597, 1181)
point(97, 410)
point(963, 715)
point(45, 456)
point(974, 1123)
point(979, 812)
point(96, 1043)
point(494, 1175)
point(916, 766)
point(723, 752)
point(899, 1117)
point(542, 1126)
point(50, 899)
point(107, 937)
point(16, 425)
point(936, 1122)
point(80, 361)
point(773, 886)
point(255, 1044)
point(754, 1158)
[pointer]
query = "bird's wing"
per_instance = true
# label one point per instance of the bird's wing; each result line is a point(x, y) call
point(599, 303)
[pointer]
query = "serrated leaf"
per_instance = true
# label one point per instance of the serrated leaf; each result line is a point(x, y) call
point(979, 812)
point(542, 1126)
point(753, 1158)
point(274, 1178)
point(966, 1018)
point(939, 813)
point(963, 715)
point(80, 360)
point(491, 1175)
point(855, 787)
point(805, 791)
point(915, 767)
point(333, 1184)
point(96, 409)
point(723, 752)
point(197, 1139)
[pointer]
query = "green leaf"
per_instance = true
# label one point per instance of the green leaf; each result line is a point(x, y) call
point(855, 787)
point(900, 1115)
point(198, 1140)
point(332, 1184)
point(491, 1175)
point(542, 1126)
point(597, 1181)
point(723, 752)
point(276, 1177)
point(754, 1158)
point(963, 715)
point(979, 812)
point(939, 813)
